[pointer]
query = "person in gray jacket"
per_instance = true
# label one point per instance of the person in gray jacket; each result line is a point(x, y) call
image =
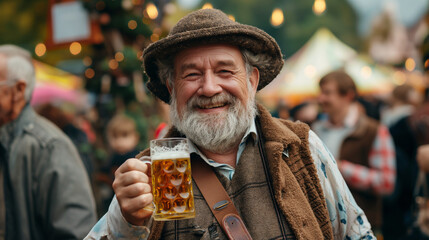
point(45, 192)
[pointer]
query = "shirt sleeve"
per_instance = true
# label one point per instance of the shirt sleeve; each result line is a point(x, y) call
point(347, 218)
point(380, 176)
point(114, 226)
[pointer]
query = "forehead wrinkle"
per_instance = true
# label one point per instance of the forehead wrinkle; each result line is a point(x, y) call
point(187, 66)
point(225, 63)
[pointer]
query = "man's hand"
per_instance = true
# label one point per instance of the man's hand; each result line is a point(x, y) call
point(132, 187)
point(423, 158)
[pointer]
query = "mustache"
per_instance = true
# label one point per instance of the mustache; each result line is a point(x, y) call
point(221, 98)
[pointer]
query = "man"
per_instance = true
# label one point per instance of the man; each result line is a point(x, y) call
point(208, 69)
point(44, 189)
point(363, 148)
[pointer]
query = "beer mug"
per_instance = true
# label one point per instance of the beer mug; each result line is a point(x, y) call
point(171, 179)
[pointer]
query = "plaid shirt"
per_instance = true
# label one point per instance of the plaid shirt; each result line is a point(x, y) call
point(381, 173)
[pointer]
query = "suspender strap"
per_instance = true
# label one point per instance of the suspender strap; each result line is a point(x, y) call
point(218, 200)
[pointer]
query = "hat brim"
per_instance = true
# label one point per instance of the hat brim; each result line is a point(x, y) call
point(240, 35)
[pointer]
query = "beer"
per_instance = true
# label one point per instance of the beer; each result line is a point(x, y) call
point(172, 185)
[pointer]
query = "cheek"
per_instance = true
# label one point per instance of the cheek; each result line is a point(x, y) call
point(184, 92)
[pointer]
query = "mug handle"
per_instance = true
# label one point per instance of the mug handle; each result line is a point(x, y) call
point(148, 160)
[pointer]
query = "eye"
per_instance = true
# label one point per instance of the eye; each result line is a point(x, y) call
point(225, 72)
point(191, 74)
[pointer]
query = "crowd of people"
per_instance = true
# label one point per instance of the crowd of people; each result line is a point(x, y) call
point(336, 169)
point(380, 148)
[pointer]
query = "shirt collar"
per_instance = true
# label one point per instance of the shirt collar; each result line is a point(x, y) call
point(13, 128)
point(250, 134)
point(349, 121)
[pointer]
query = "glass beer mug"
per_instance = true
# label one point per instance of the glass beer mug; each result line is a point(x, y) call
point(171, 179)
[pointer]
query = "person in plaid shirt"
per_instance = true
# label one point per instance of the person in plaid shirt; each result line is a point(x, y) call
point(362, 146)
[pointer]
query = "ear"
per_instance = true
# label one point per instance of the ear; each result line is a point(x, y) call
point(19, 91)
point(254, 79)
point(170, 88)
point(351, 96)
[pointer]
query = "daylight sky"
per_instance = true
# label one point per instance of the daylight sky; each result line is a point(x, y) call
point(407, 12)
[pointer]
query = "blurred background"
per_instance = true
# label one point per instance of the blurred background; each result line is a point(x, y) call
point(88, 55)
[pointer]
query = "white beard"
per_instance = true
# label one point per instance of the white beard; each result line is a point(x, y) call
point(218, 132)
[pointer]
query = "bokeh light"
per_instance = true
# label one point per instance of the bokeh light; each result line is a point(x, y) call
point(119, 56)
point(410, 64)
point(40, 49)
point(75, 48)
point(207, 6)
point(152, 11)
point(132, 24)
point(89, 73)
point(113, 64)
point(319, 6)
point(277, 17)
point(154, 37)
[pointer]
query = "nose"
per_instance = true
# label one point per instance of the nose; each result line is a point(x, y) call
point(209, 85)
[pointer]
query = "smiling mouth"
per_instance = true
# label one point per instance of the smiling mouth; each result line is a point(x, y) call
point(212, 106)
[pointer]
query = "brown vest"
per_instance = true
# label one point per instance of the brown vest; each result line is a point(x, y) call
point(297, 189)
point(356, 149)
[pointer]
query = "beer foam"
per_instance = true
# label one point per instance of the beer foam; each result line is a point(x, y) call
point(169, 155)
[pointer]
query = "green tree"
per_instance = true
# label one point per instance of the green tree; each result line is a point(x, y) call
point(300, 21)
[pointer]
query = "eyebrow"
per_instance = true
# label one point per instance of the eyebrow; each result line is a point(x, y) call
point(219, 63)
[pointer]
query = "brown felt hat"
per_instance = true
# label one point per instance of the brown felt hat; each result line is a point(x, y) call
point(208, 26)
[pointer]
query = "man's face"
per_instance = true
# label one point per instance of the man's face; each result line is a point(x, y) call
point(209, 70)
point(331, 100)
point(6, 95)
point(213, 96)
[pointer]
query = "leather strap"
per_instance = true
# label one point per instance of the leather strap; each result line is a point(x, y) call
point(218, 200)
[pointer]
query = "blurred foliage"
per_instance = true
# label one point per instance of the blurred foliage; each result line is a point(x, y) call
point(300, 21)
point(23, 22)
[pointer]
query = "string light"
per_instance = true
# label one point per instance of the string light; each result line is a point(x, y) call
point(89, 73)
point(410, 64)
point(319, 6)
point(277, 17)
point(40, 49)
point(132, 24)
point(207, 6)
point(113, 64)
point(119, 57)
point(75, 48)
point(154, 37)
point(152, 11)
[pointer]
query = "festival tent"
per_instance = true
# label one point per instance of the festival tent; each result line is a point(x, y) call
point(323, 53)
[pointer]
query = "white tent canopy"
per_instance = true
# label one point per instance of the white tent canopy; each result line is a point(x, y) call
point(323, 53)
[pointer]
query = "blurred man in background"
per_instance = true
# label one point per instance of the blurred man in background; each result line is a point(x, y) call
point(363, 148)
point(44, 189)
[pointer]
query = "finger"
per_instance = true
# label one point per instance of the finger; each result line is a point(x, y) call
point(133, 205)
point(134, 190)
point(129, 178)
point(132, 164)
